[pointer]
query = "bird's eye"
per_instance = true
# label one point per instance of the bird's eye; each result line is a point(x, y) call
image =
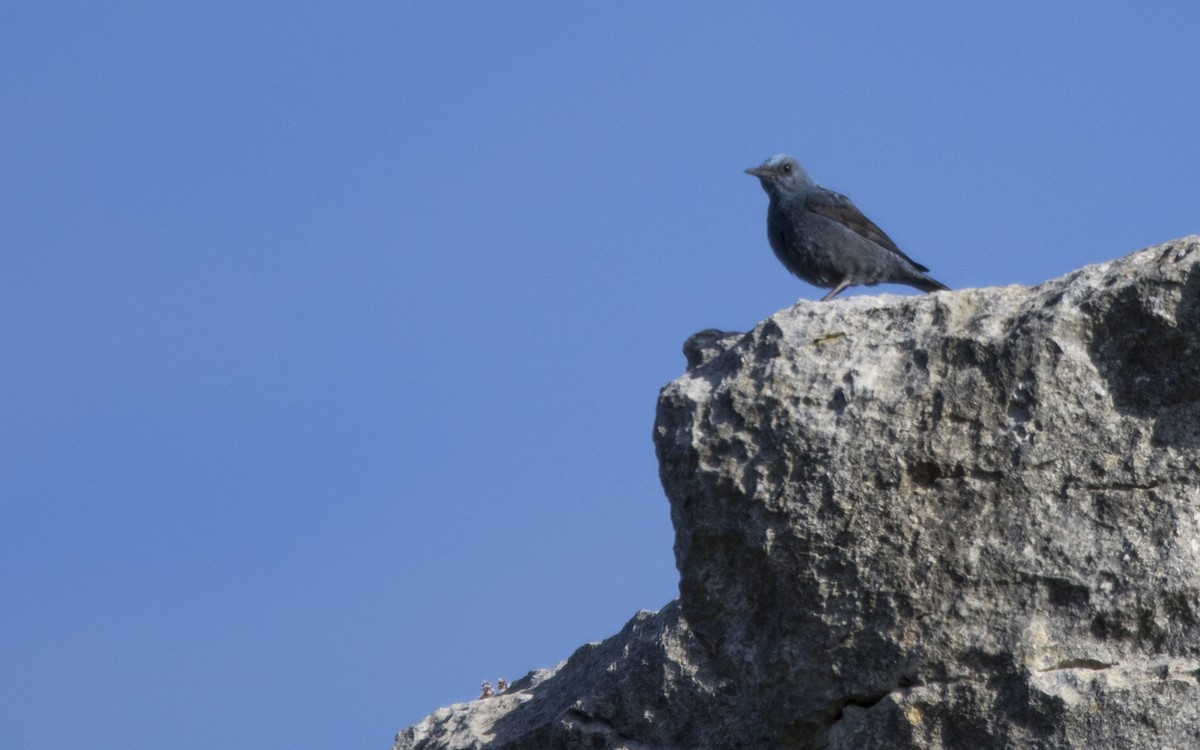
point(787, 167)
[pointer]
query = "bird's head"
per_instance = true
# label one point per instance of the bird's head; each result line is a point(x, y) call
point(780, 175)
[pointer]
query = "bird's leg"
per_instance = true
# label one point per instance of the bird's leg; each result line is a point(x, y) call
point(841, 287)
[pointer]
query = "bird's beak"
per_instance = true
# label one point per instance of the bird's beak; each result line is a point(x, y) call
point(757, 171)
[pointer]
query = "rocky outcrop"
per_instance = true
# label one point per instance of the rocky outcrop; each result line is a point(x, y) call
point(960, 520)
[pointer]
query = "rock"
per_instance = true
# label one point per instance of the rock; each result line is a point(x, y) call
point(959, 520)
point(648, 682)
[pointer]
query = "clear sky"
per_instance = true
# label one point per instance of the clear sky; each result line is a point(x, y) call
point(331, 333)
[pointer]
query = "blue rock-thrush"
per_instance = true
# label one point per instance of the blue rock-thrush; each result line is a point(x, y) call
point(823, 238)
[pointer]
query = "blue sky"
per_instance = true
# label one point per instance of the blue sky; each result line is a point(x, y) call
point(330, 333)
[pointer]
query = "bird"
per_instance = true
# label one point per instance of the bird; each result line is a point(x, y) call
point(823, 238)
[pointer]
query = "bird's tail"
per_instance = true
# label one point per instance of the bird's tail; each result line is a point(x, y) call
point(927, 284)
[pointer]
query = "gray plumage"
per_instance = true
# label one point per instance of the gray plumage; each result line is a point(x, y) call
point(823, 238)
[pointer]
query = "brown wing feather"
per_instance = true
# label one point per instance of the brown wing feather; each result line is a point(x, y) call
point(841, 209)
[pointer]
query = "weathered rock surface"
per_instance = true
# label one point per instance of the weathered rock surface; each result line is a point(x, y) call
point(959, 520)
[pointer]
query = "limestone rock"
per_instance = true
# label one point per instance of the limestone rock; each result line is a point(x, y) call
point(645, 687)
point(958, 520)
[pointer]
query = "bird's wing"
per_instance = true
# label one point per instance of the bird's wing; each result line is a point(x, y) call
point(841, 209)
